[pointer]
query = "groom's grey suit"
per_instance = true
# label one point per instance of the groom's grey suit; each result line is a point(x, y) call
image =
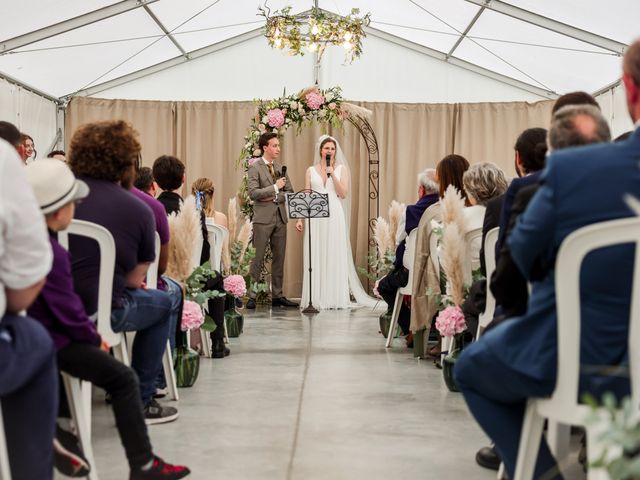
point(269, 222)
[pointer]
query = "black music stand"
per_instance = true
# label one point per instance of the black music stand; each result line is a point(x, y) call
point(308, 204)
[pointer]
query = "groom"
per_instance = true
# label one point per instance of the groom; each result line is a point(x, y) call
point(267, 187)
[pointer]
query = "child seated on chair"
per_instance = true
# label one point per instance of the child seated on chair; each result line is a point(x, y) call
point(80, 350)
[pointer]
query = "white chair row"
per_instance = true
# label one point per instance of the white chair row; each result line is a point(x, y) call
point(5, 470)
point(562, 407)
point(486, 316)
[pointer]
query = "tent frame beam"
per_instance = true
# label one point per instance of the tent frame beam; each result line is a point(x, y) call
point(71, 24)
point(553, 25)
point(460, 63)
point(159, 67)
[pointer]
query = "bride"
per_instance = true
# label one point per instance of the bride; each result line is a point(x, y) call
point(334, 273)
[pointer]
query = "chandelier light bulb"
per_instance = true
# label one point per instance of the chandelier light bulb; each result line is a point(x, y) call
point(315, 30)
point(347, 45)
point(277, 42)
point(347, 36)
point(313, 47)
point(276, 33)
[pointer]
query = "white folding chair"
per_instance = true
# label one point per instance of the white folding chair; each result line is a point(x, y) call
point(167, 358)
point(563, 407)
point(490, 265)
point(79, 392)
point(410, 251)
point(5, 470)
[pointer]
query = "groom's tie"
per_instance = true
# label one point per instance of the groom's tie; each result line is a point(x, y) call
point(272, 171)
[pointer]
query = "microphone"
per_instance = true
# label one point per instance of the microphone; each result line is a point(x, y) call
point(328, 160)
point(284, 170)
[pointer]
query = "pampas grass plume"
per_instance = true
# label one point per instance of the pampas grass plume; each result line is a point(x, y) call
point(452, 258)
point(453, 208)
point(382, 236)
point(232, 218)
point(184, 228)
point(244, 236)
point(396, 210)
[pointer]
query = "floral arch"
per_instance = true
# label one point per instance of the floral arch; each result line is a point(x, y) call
point(326, 107)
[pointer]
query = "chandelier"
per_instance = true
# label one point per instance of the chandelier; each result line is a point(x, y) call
point(313, 31)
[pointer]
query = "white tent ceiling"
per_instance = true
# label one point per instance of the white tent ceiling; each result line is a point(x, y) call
point(61, 48)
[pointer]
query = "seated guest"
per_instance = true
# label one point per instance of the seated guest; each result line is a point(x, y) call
point(58, 155)
point(10, 133)
point(517, 359)
point(29, 151)
point(449, 171)
point(165, 283)
point(203, 190)
point(80, 350)
point(103, 155)
point(168, 172)
point(571, 126)
point(530, 150)
point(482, 182)
point(28, 373)
point(399, 275)
point(145, 182)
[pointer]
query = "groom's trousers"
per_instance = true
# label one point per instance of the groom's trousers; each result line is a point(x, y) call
point(275, 235)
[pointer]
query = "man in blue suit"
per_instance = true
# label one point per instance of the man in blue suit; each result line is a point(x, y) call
point(518, 358)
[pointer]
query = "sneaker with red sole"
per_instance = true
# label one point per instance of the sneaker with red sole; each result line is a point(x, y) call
point(160, 470)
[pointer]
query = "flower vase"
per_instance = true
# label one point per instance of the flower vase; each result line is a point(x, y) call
point(234, 319)
point(186, 363)
point(449, 362)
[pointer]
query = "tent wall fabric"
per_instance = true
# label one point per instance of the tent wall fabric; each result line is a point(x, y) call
point(614, 107)
point(31, 113)
point(208, 136)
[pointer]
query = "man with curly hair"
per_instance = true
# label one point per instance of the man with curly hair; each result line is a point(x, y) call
point(104, 155)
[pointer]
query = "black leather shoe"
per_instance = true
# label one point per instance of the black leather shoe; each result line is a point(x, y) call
point(283, 302)
point(487, 457)
point(251, 304)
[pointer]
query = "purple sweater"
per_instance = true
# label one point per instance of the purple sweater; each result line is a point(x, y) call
point(59, 308)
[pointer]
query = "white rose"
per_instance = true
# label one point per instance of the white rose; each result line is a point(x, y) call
point(301, 111)
point(328, 97)
point(265, 119)
point(293, 105)
point(322, 113)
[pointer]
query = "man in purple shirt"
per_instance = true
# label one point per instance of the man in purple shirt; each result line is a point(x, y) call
point(103, 155)
point(80, 350)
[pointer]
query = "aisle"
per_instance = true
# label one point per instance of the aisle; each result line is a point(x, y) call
point(311, 399)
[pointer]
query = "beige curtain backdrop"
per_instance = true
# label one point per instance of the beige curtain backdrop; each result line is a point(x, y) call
point(208, 136)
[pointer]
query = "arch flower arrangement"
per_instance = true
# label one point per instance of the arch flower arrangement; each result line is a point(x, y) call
point(327, 107)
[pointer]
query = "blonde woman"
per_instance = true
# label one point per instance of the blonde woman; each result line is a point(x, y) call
point(203, 190)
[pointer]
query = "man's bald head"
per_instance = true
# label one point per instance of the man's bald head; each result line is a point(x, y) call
point(576, 125)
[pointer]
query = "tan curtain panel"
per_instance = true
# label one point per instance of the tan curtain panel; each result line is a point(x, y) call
point(208, 136)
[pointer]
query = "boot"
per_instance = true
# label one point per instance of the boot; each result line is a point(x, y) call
point(216, 310)
point(218, 348)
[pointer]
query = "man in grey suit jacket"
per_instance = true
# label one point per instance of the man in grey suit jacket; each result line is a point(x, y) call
point(267, 186)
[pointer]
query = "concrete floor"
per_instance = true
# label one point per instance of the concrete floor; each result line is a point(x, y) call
point(311, 398)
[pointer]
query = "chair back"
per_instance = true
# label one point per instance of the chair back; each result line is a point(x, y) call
point(567, 284)
point(217, 237)
point(490, 241)
point(152, 272)
point(409, 257)
point(107, 248)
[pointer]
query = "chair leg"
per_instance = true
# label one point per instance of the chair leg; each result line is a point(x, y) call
point(74, 396)
point(529, 443)
point(501, 471)
point(226, 333)
point(121, 353)
point(394, 318)
point(205, 340)
point(5, 471)
point(169, 373)
point(559, 438)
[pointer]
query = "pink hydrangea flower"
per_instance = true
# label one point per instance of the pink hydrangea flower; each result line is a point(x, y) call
point(192, 316)
point(275, 117)
point(235, 285)
point(451, 321)
point(314, 99)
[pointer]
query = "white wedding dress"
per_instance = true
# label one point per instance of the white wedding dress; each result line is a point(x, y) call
point(334, 275)
point(330, 260)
